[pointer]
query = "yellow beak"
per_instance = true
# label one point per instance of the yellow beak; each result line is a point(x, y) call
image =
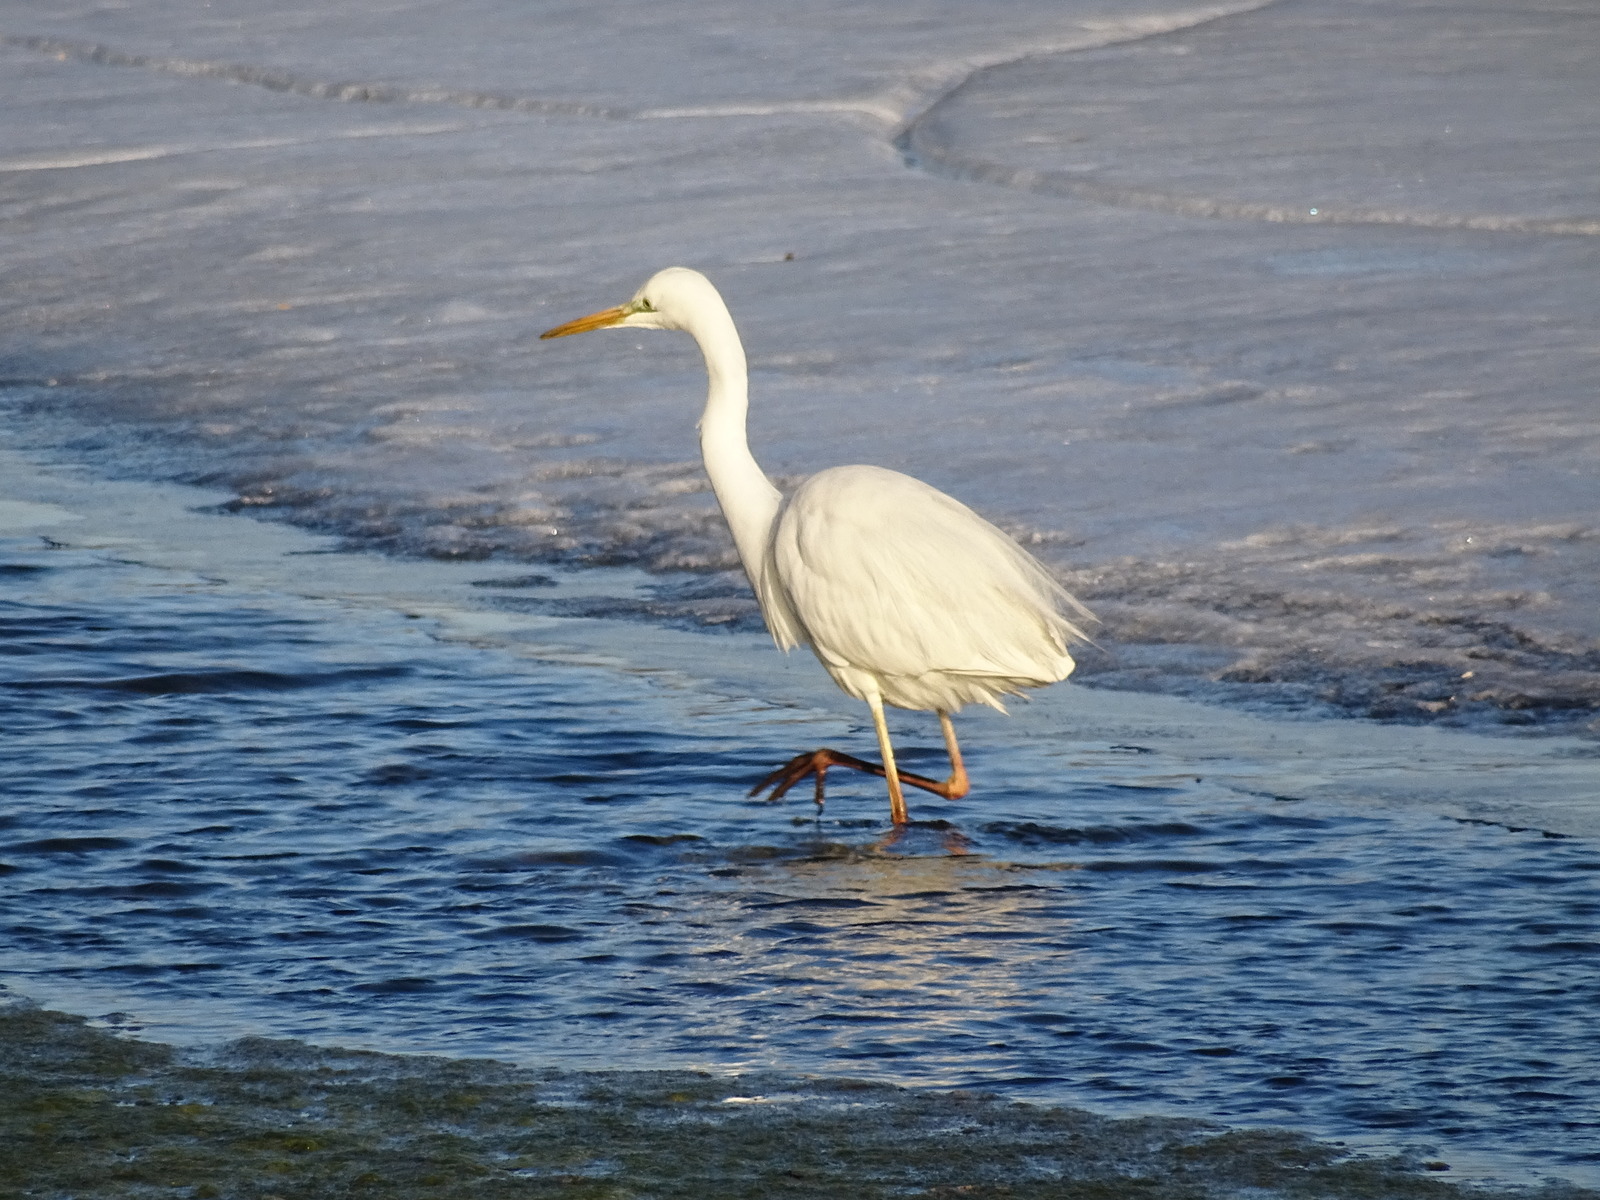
point(600, 320)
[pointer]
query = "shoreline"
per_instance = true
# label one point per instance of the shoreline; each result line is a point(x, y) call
point(88, 1113)
point(1539, 779)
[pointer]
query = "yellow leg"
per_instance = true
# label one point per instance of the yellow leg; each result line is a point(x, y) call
point(957, 785)
point(897, 800)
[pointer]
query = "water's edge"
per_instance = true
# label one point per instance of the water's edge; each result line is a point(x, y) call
point(225, 1118)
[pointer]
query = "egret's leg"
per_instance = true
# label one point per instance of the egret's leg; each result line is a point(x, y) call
point(897, 800)
point(957, 785)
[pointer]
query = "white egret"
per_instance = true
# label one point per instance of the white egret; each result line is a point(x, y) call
point(906, 596)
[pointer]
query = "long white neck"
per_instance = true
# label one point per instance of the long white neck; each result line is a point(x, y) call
point(749, 501)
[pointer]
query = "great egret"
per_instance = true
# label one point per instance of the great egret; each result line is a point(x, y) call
point(906, 596)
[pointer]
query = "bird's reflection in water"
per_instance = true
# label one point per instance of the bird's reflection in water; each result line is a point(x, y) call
point(906, 839)
point(884, 954)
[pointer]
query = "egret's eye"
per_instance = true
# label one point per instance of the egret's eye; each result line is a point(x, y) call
point(643, 305)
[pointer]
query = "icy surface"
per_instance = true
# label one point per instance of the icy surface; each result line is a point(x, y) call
point(1346, 456)
point(1463, 115)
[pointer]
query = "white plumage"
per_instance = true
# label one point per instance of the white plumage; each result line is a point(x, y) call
point(894, 580)
point(905, 595)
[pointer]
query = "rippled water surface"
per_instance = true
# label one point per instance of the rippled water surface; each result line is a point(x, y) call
point(239, 812)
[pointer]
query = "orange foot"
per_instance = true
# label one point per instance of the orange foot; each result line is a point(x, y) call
point(817, 762)
point(814, 763)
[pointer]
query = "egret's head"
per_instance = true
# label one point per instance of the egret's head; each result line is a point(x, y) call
point(668, 300)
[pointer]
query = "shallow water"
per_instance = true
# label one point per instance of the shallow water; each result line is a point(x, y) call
point(232, 810)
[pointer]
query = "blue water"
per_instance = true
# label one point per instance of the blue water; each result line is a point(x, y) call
point(237, 812)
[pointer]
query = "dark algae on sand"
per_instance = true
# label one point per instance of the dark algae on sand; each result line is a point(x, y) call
point(86, 1114)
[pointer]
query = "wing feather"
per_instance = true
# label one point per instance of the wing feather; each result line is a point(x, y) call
point(891, 576)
